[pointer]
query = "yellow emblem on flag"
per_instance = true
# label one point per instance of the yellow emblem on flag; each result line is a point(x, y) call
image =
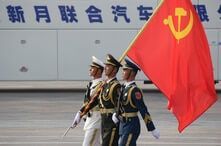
point(179, 34)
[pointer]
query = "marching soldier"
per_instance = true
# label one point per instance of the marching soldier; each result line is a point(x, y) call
point(130, 103)
point(92, 124)
point(108, 97)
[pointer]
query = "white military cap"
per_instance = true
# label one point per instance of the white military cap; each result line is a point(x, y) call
point(97, 63)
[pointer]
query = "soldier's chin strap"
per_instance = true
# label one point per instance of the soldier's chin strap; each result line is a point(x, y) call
point(129, 75)
point(96, 72)
point(112, 70)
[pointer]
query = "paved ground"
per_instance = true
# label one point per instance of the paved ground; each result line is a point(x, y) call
point(40, 119)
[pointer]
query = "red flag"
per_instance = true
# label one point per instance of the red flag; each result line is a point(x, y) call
point(172, 50)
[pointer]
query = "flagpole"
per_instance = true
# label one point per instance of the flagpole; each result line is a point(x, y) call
point(141, 30)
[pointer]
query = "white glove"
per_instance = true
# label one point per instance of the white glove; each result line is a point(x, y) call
point(114, 118)
point(77, 119)
point(156, 133)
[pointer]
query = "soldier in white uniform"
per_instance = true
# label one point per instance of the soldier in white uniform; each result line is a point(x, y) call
point(92, 125)
point(106, 96)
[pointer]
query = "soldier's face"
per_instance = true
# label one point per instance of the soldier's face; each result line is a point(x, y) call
point(108, 69)
point(126, 73)
point(92, 71)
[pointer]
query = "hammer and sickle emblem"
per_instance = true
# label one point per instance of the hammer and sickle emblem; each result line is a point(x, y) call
point(179, 12)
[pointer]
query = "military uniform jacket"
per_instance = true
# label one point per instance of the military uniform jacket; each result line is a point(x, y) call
point(93, 119)
point(131, 103)
point(108, 101)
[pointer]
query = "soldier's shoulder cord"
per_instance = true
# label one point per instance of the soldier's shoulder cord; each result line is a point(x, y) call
point(132, 88)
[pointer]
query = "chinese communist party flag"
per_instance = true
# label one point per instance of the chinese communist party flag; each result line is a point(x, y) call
point(173, 52)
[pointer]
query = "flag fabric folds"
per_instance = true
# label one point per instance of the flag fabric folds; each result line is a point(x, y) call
point(173, 52)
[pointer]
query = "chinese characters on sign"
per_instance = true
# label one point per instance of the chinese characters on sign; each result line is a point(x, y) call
point(42, 12)
point(145, 12)
point(94, 14)
point(15, 14)
point(120, 11)
point(68, 14)
point(201, 9)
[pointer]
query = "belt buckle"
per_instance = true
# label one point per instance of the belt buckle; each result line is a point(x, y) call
point(123, 119)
